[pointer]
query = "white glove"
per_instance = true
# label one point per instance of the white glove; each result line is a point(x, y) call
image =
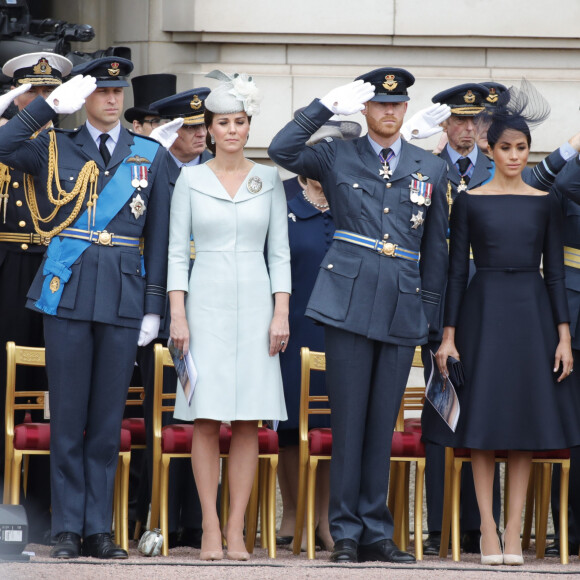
point(349, 99)
point(8, 97)
point(167, 134)
point(426, 122)
point(70, 96)
point(149, 329)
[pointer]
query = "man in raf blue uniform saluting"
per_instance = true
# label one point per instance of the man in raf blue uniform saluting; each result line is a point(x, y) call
point(109, 188)
point(377, 291)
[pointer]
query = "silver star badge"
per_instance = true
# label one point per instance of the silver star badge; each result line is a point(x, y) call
point(385, 172)
point(462, 186)
point(417, 220)
point(137, 206)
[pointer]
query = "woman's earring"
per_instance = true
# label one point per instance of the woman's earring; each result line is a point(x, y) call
point(212, 139)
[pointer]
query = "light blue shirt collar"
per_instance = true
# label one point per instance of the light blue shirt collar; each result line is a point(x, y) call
point(113, 135)
point(395, 148)
point(454, 156)
point(194, 161)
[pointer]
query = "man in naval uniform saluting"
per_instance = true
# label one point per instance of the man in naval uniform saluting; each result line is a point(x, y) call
point(110, 188)
point(21, 250)
point(377, 291)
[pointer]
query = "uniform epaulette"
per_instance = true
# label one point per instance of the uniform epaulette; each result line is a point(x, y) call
point(62, 130)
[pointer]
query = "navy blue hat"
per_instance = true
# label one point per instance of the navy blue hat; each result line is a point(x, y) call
point(390, 84)
point(110, 71)
point(465, 100)
point(495, 90)
point(190, 105)
point(146, 90)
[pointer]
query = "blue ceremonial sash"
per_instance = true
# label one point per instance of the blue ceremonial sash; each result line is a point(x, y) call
point(63, 253)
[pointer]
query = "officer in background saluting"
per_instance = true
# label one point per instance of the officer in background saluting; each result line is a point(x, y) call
point(21, 251)
point(377, 291)
point(186, 150)
point(109, 188)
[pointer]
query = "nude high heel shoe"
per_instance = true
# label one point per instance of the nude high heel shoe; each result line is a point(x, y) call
point(492, 559)
point(512, 559)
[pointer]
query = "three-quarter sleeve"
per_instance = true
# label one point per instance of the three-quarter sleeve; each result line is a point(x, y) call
point(179, 235)
point(278, 252)
point(458, 260)
point(553, 255)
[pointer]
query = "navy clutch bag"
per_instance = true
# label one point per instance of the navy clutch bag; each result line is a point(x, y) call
point(455, 370)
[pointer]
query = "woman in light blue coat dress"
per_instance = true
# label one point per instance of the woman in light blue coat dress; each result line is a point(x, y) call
point(232, 312)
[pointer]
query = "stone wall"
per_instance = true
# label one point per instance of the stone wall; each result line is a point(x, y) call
point(300, 50)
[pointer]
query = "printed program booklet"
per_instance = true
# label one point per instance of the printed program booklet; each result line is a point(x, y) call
point(185, 368)
point(441, 393)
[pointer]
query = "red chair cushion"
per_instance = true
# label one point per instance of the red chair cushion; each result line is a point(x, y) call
point(553, 454)
point(125, 440)
point(177, 439)
point(320, 441)
point(36, 437)
point(32, 437)
point(136, 425)
point(407, 444)
point(267, 440)
point(413, 424)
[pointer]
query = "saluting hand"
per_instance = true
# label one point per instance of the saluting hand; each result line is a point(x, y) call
point(166, 134)
point(8, 97)
point(70, 96)
point(349, 99)
point(426, 122)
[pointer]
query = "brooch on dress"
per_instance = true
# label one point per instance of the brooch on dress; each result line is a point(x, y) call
point(292, 216)
point(254, 184)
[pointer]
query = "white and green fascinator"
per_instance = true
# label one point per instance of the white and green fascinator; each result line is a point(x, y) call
point(236, 92)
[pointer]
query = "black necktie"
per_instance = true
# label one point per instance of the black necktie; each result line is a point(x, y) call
point(463, 164)
point(106, 154)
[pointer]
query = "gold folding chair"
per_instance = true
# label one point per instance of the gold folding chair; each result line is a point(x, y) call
point(174, 441)
point(407, 448)
point(28, 439)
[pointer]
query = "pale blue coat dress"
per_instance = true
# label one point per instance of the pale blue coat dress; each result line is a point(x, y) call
point(230, 302)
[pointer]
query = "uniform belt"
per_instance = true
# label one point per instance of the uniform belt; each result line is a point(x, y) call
point(22, 238)
point(384, 248)
point(102, 238)
point(571, 257)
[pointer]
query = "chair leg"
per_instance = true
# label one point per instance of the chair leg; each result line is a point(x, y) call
point(15, 477)
point(9, 455)
point(537, 498)
point(506, 496)
point(419, 479)
point(124, 520)
point(117, 501)
point(271, 506)
point(542, 511)
point(252, 515)
point(138, 526)
point(564, 483)
point(400, 534)
point(155, 498)
point(311, 509)
point(393, 471)
point(300, 502)
point(163, 503)
point(25, 464)
point(263, 500)
point(225, 495)
point(529, 514)
point(455, 506)
point(447, 501)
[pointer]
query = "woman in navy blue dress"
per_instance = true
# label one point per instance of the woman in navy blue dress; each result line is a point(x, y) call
point(310, 231)
point(510, 327)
